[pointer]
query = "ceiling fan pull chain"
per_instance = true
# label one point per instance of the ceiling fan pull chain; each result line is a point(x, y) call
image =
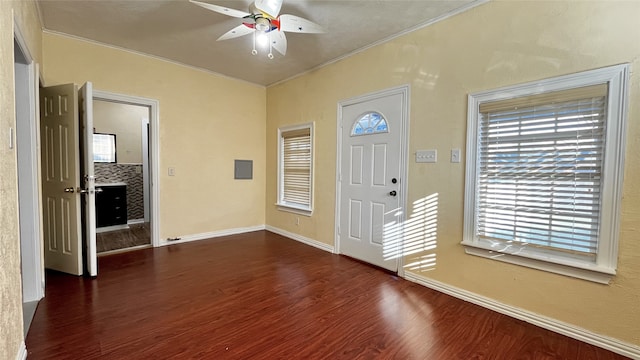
point(254, 51)
point(270, 56)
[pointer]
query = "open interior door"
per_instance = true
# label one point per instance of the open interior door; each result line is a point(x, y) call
point(60, 178)
point(88, 178)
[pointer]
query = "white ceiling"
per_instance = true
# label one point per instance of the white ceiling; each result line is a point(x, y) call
point(185, 33)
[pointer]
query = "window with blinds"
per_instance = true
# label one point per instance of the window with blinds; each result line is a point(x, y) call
point(540, 166)
point(295, 175)
point(544, 173)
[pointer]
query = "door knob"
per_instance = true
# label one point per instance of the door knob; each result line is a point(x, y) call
point(69, 190)
point(393, 193)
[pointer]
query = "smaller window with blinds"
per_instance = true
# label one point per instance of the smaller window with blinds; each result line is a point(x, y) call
point(295, 168)
point(544, 174)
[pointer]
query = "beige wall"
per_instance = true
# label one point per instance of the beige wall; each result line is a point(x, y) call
point(26, 17)
point(123, 120)
point(496, 44)
point(10, 282)
point(206, 121)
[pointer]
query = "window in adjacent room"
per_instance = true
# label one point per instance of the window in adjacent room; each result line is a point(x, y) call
point(295, 168)
point(544, 173)
point(104, 148)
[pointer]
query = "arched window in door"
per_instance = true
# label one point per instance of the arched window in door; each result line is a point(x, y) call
point(370, 123)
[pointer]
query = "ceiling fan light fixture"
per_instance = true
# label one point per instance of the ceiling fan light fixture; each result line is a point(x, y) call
point(263, 24)
point(262, 39)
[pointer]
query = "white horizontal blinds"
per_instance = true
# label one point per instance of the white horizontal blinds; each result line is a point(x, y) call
point(297, 167)
point(540, 167)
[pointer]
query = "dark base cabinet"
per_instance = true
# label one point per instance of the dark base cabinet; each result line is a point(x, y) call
point(111, 205)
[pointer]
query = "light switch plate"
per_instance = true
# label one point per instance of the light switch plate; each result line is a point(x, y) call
point(172, 171)
point(455, 155)
point(427, 156)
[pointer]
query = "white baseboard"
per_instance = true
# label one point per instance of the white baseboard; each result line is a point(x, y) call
point(302, 239)
point(544, 322)
point(22, 352)
point(123, 250)
point(209, 235)
point(135, 221)
point(111, 228)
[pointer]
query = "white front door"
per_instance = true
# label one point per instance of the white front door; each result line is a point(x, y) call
point(88, 178)
point(60, 178)
point(371, 174)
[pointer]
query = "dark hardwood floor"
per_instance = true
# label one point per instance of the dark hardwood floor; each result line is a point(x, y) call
point(262, 296)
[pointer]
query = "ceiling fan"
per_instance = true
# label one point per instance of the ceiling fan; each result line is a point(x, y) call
point(265, 23)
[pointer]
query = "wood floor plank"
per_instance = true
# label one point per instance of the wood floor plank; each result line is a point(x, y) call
point(262, 296)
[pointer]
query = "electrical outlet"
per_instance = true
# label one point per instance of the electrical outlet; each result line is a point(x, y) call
point(455, 155)
point(426, 156)
point(297, 220)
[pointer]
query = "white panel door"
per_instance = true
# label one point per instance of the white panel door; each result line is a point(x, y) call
point(60, 178)
point(371, 170)
point(88, 178)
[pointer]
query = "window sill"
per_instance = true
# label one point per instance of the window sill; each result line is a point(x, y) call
point(295, 209)
point(569, 267)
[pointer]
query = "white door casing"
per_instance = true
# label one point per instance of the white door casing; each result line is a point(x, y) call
point(88, 178)
point(145, 168)
point(60, 178)
point(371, 186)
point(28, 147)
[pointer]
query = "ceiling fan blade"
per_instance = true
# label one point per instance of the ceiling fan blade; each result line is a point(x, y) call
point(221, 9)
point(236, 32)
point(269, 7)
point(292, 23)
point(279, 41)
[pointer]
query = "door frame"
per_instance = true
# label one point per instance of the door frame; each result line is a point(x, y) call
point(144, 127)
point(154, 151)
point(32, 255)
point(404, 91)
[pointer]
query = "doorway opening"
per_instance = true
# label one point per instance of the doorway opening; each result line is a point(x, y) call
point(124, 210)
point(25, 87)
point(118, 147)
point(66, 249)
